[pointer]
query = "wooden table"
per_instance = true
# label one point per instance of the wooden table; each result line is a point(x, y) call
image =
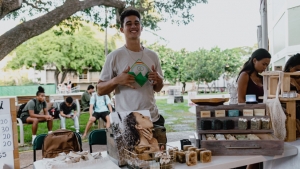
point(291, 117)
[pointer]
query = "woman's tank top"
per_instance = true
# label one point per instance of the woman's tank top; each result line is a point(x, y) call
point(252, 88)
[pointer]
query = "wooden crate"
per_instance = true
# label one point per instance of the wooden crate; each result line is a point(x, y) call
point(268, 145)
point(272, 81)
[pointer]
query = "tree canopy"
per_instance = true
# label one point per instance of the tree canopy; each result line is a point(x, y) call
point(45, 14)
point(66, 53)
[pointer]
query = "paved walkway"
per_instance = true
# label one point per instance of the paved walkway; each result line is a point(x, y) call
point(26, 158)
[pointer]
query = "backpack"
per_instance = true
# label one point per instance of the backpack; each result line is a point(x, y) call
point(54, 112)
point(104, 98)
point(59, 141)
point(20, 111)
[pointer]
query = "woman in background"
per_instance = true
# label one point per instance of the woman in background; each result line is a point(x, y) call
point(249, 81)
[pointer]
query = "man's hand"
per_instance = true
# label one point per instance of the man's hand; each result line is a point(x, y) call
point(125, 79)
point(154, 76)
point(48, 117)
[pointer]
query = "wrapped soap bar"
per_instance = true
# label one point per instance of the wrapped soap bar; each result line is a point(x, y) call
point(191, 158)
point(241, 137)
point(192, 148)
point(180, 156)
point(186, 147)
point(171, 150)
point(220, 137)
point(205, 156)
point(198, 152)
point(255, 124)
point(233, 113)
point(220, 113)
point(205, 124)
point(205, 114)
point(228, 124)
point(242, 124)
point(252, 137)
point(248, 112)
point(265, 123)
point(259, 112)
point(216, 124)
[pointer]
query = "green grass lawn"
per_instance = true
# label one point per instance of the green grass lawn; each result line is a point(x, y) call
point(42, 127)
point(178, 111)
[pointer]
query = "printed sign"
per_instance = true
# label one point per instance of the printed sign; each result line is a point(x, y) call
point(6, 136)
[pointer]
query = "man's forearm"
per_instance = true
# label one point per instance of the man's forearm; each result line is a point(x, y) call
point(104, 88)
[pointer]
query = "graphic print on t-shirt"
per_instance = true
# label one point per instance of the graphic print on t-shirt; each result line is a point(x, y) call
point(140, 72)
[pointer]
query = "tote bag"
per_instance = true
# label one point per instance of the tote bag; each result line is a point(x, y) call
point(275, 110)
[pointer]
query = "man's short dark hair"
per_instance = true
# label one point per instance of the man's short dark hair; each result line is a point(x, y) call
point(128, 12)
point(90, 87)
point(69, 99)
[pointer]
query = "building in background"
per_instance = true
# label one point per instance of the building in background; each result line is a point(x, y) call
point(283, 30)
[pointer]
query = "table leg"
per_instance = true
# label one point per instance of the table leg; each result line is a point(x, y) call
point(291, 121)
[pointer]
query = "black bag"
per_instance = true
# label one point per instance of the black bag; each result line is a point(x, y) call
point(54, 112)
point(20, 111)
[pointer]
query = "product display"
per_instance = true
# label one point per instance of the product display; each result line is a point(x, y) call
point(242, 124)
point(259, 112)
point(192, 148)
point(180, 156)
point(228, 124)
point(191, 158)
point(205, 156)
point(205, 114)
point(233, 113)
point(205, 124)
point(198, 152)
point(255, 124)
point(252, 137)
point(216, 124)
point(248, 112)
point(186, 147)
point(265, 123)
point(220, 113)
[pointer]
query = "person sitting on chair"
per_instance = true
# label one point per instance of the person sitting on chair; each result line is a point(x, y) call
point(68, 109)
point(101, 109)
point(31, 112)
point(86, 97)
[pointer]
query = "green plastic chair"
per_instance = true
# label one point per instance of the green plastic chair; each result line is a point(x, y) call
point(97, 137)
point(79, 140)
point(38, 144)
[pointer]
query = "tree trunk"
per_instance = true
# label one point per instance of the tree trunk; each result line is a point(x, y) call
point(197, 87)
point(183, 87)
point(26, 30)
point(63, 77)
point(56, 74)
point(7, 6)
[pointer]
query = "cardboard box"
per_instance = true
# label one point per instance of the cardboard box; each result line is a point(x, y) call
point(205, 114)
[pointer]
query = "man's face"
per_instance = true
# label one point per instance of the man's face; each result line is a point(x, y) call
point(132, 27)
point(91, 91)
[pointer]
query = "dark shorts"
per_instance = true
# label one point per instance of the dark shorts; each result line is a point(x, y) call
point(103, 115)
point(24, 118)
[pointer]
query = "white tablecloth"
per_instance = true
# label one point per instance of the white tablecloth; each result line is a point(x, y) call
point(292, 162)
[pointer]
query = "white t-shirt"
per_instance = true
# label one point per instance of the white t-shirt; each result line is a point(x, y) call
point(140, 63)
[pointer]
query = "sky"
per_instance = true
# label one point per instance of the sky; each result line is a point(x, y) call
point(222, 23)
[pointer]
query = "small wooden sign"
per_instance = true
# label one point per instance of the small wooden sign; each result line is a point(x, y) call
point(220, 113)
point(259, 112)
point(205, 114)
point(247, 112)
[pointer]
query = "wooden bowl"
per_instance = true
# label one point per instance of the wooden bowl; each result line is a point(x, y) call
point(210, 101)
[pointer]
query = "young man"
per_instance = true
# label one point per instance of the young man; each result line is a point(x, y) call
point(100, 106)
point(31, 112)
point(133, 71)
point(85, 98)
point(68, 110)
